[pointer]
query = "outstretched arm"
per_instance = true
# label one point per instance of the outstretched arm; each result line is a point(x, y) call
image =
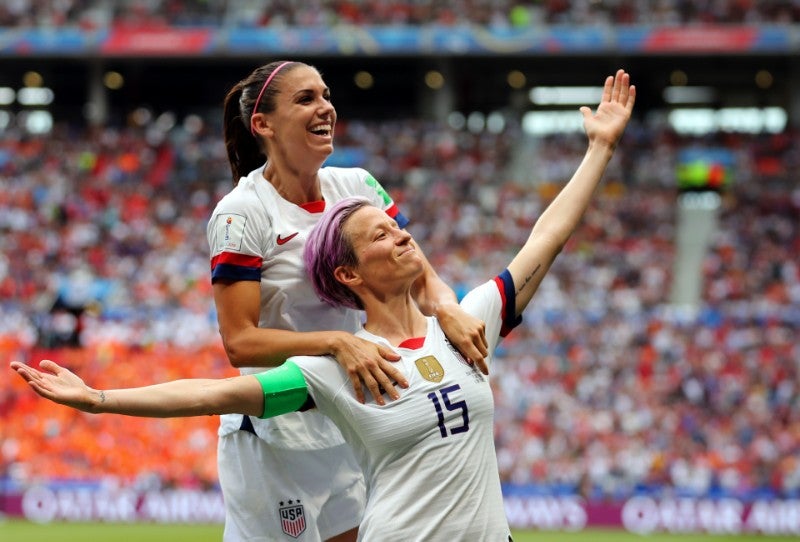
point(561, 218)
point(179, 398)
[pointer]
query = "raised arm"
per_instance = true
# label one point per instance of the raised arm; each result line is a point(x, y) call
point(554, 227)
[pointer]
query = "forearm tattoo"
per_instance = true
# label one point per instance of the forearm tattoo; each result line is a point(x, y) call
point(102, 396)
point(528, 279)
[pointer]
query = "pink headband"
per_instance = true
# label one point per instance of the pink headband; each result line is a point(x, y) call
point(260, 94)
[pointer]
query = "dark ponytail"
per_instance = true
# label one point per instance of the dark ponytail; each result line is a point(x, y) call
point(245, 151)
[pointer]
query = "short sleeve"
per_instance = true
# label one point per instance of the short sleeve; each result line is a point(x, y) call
point(494, 302)
point(236, 239)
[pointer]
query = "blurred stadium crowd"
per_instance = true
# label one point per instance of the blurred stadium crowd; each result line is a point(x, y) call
point(605, 389)
point(96, 14)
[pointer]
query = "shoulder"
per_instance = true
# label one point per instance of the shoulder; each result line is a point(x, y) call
point(487, 296)
point(241, 219)
point(346, 174)
point(311, 362)
point(494, 301)
point(247, 203)
point(320, 372)
point(243, 197)
point(354, 181)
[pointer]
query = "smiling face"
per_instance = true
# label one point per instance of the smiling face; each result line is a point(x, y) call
point(385, 253)
point(301, 127)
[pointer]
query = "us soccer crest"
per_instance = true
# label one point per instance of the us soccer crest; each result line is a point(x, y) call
point(430, 369)
point(293, 518)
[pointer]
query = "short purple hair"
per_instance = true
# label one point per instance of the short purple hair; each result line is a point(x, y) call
point(327, 248)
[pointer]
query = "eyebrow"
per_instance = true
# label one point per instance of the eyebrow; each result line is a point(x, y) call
point(383, 224)
point(310, 91)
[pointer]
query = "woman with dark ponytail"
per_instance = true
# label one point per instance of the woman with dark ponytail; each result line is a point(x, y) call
point(244, 151)
point(293, 477)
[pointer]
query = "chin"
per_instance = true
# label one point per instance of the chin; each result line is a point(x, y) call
point(317, 154)
point(326, 149)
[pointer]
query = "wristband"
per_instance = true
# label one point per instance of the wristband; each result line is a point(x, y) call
point(284, 389)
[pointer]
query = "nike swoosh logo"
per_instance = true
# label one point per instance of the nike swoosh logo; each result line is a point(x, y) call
point(284, 240)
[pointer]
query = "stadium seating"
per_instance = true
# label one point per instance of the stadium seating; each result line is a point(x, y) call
point(604, 390)
point(93, 14)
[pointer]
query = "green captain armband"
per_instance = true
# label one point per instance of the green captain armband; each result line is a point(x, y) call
point(284, 389)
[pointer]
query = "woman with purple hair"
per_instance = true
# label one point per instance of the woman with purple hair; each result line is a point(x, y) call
point(428, 456)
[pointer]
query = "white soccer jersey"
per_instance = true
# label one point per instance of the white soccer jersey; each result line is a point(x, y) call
point(429, 456)
point(255, 234)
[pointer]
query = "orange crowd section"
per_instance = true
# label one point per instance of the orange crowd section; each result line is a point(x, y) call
point(40, 440)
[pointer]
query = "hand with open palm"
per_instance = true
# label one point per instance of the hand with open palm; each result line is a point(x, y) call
point(606, 124)
point(59, 384)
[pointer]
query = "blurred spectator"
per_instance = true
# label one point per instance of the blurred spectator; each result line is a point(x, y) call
point(605, 393)
point(94, 14)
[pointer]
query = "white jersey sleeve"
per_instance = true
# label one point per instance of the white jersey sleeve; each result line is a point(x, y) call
point(238, 235)
point(494, 302)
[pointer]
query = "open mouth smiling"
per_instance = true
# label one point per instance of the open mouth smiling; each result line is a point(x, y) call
point(324, 130)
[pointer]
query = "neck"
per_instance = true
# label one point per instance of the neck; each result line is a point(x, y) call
point(395, 318)
point(294, 185)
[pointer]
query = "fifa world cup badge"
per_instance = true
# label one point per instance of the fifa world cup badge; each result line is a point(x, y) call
point(430, 369)
point(293, 518)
